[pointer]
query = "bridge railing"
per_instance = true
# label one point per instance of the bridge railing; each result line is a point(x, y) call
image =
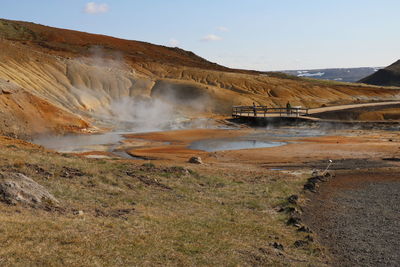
point(264, 111)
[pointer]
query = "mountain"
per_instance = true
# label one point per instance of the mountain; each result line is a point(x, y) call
point(338, 74)
point(389, 76)
point(97, 81)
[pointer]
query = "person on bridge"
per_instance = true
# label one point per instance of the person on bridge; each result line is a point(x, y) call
point(254, 109)
point(288, 108)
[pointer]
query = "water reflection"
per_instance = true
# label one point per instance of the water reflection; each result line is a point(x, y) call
point(213, 145)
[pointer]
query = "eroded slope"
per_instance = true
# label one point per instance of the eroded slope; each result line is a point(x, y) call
point(100, 77)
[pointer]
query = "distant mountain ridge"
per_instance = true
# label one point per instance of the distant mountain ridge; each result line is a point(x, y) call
point(335, 74)
point(389, 76)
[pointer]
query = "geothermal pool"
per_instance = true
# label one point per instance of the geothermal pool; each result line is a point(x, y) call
point(113, 142)
point(80, 143)
point(212, 145)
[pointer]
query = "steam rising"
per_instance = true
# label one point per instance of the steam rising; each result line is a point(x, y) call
point(144, 114)
point(108, 90)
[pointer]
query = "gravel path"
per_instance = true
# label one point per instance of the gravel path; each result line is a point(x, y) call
point(357, 217)
point(351, 106)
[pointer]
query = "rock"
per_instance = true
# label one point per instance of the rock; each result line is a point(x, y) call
point(69, 173)
point(295, 221)
point(7, 87)
point(195, 160)
point(309, 238)
point(78, 212)
point(310, 186)
point(277, 245)
point(287, 210)
point(300, 243)
point(293, 199)
point(16, 188)
point(314, 180)
point(304, 229)
point(312, 183)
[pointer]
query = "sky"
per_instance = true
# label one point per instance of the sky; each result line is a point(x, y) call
point(262, 35)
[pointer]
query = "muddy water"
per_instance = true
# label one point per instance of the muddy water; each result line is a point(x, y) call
point(108, 142)
point(262, 138)
point(113, 141)
point(79, 143)
point(213, 145)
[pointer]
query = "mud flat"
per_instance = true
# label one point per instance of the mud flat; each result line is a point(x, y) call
point(357, 217)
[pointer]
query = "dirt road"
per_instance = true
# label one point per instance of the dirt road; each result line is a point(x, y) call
point(344, 107)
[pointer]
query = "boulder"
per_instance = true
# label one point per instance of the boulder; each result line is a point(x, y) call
point(195, 160)
point(16, 188)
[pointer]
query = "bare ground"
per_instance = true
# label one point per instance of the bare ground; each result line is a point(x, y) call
point(357, 217)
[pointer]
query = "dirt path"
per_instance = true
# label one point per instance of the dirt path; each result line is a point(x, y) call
point(357, 216)
point(344, 107)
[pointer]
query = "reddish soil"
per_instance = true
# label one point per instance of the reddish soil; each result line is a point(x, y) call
point(372, 145)
point(24, 114)
point(172, 145)
point(69, 42)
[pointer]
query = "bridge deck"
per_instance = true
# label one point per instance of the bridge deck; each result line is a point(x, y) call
point(298, 112)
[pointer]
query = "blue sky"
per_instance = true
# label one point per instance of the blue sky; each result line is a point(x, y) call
point(251, 34)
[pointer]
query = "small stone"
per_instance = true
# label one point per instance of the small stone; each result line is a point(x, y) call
point(309, 238)
point(300, 243)
point(329, 174)
point(293, 199)
point(310, 186)
point(195, 160)
point(78, 212)
point(294, 221)
point(277, 245)
point(304, 229)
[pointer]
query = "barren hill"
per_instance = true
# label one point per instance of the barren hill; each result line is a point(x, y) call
point(99, 78)
point(389, 76)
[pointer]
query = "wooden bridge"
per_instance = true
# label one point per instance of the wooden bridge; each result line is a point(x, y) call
point(300, 112)
point(263, 111)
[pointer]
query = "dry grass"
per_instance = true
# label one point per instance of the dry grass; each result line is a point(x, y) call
point(154, 216)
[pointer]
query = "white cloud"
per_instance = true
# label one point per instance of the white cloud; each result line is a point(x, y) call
point(211, 38)
point(95, 8)
point(173, 42)
point(222, 29)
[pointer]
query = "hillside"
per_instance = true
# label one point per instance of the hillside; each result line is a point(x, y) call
point(389, 76)
point(23, 114)
point(101, 79)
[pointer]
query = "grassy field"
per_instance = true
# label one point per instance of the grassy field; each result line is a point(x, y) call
point(121, 213)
